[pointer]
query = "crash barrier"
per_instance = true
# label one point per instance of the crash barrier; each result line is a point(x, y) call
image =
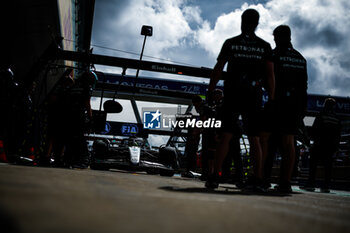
point(339, 173)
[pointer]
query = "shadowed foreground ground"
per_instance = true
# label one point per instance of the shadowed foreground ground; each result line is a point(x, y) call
point(34, 199)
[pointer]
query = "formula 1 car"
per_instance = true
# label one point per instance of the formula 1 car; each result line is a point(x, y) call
point(133, 155)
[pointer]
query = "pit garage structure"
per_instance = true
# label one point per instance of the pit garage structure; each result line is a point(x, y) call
point(172, 91)
point(181, 92)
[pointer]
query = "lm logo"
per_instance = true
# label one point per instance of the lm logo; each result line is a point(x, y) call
point(152, 120)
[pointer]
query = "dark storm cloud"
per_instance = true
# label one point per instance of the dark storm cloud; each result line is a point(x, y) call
point(329, 36)
point(344, 62)
point(340, 82)
point(221, 7)
point(314, 82)
point(105, 12)
point(211, 10)
point(310, 34)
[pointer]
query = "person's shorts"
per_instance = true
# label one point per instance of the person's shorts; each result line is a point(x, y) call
point(286, 121)
point(249, 109)
point(209, 139)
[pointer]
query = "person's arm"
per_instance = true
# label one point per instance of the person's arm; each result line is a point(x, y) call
point(270, 76)
point(305, 86)
point(216, 74)
point(315, 126)
point(338, 132)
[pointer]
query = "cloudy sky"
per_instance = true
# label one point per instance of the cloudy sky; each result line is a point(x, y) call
point(191, 32)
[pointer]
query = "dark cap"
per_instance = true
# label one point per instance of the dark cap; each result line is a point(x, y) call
point(282, 31)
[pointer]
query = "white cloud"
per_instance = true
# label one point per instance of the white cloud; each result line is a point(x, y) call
point(229, 25)
point(212, 39)
point(192, 14)
point(169, 19)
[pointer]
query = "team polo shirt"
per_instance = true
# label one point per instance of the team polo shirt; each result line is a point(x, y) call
point(246, 56)
point(290, 77)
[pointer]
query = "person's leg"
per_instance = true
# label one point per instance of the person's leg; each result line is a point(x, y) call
point(310, 186)
point(264, 142)
point(226, 166)
point(313, 166)
point(238, 163)
point(288, 157)
point(190, 155)
point(84, 159)
point(207, 163)
point(57, 151)
point(268, 164)
point(328, 164)
point(205, 167)
point(191, 159)
point(287, 166)
point(296, 161)
point(208, 151)
point(222, 149)
point(256, 155)
point(237, 159)
point(228, 118)
point(211, 162)
point(253, 121)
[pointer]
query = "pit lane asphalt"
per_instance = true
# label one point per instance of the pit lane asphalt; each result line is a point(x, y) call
point(37, 199)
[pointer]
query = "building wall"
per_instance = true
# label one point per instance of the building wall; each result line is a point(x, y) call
point(30, 27)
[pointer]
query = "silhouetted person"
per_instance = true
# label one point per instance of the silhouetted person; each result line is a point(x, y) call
point(79, 112)
point(209, 134)
point(58, 102)
point(191, 149)
point(250, 65)
point(15, 110)
point(7, 87)
point(326, 133)
point(193, 138)
point(290, 99)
